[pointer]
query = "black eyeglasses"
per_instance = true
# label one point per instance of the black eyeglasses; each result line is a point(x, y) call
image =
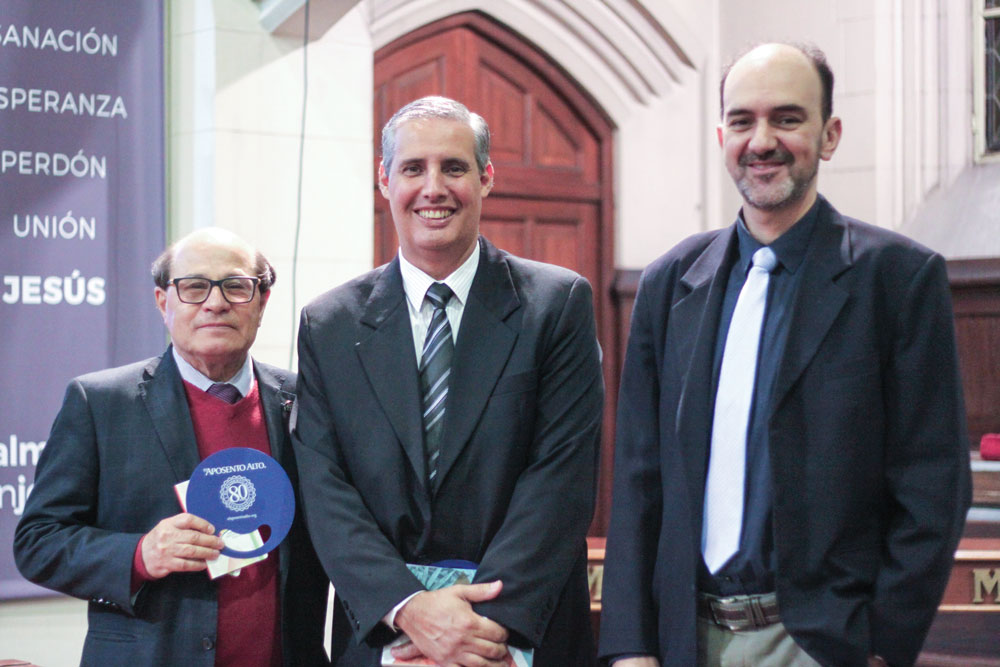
point(235, 289)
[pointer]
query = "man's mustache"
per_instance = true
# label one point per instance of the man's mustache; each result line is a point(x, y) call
point(774, 155)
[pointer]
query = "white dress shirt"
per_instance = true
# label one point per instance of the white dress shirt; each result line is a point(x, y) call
point(243, 380)
point(415, 284)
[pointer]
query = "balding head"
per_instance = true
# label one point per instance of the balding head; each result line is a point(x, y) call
point(762, 52)
point(216, 236)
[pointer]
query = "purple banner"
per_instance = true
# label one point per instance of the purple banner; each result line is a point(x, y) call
point(81, 216)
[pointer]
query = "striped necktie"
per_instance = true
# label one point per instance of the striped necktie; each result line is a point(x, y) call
point(435, 367)
point(225, 392)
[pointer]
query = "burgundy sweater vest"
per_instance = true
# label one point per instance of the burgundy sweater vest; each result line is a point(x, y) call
point(249, 623)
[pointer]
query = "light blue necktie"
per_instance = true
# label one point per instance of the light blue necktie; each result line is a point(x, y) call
point(724, 486)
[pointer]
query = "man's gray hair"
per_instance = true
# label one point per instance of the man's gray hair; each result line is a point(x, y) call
point(437, 107)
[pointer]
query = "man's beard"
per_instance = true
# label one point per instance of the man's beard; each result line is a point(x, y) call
point(770, 195)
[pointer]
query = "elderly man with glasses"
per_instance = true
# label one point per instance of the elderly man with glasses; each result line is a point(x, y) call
point(103, 522)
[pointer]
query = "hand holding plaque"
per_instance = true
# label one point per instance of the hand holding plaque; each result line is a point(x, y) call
point(241, 490)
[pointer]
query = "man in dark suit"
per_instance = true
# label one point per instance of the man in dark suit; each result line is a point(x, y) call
point(844, 425)
point(103, 521)
point(503, 476)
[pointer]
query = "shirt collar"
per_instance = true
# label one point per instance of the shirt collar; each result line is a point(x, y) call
point(416, 282)
point(790, 248)
point(243, 380)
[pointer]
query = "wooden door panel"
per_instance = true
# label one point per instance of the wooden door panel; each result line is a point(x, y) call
point(560, 242)
point(503, 106)
point(552, 146)
point(558, 145)
point(555, 232)
point(413, 73)
point(410, 83)
point(506, 233)
point(543, 184)
point(416, 82)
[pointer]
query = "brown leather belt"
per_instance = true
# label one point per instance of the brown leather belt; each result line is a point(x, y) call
point(740, 612)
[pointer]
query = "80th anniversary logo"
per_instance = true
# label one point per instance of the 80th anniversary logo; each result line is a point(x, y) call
point(237, 493)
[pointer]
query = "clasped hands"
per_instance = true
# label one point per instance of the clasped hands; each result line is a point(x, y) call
point(442, 626)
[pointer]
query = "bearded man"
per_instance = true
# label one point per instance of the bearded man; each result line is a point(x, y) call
point(791, 462)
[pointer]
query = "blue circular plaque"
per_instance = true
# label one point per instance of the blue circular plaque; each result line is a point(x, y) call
point(242, 489)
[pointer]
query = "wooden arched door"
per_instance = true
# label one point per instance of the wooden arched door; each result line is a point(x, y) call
point(551, 149)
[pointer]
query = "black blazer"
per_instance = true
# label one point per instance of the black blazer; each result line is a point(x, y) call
point(868, 447)
point(122, 439)
point(515, 483)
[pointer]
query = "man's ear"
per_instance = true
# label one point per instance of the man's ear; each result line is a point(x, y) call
point(383, 180)
point(832, 131)
point(160, 296)
point(263, 303)
point(486, 179)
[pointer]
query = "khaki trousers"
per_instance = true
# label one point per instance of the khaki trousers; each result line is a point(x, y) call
point(767, 647)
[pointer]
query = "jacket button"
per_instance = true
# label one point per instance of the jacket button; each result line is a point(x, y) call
point(207, 643)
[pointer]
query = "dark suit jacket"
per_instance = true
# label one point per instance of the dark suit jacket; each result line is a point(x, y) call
point(515, 483)
point(868, 447)
point(121, 441)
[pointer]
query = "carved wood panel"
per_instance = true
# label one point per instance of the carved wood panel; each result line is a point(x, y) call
point(975, 289)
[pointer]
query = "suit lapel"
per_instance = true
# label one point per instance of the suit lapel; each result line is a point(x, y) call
point(389, 361)
point(697, 317)
point(162, 391)
point(484, 344)
point(818, 300)
point(277, 405)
